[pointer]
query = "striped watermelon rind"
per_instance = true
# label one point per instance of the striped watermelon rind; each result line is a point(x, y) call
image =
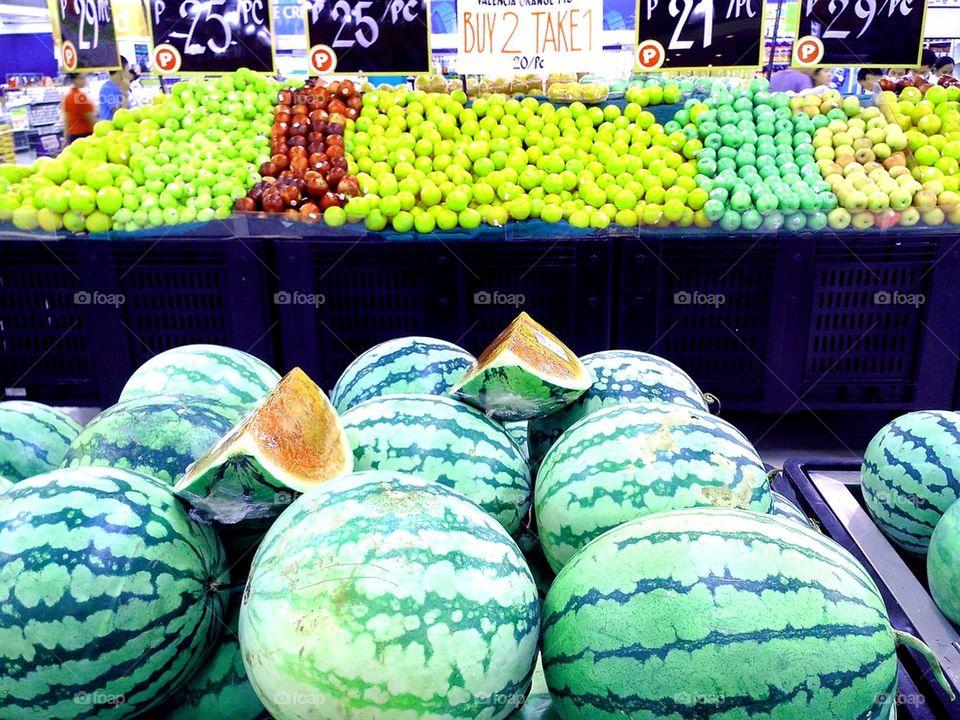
point(620, 376)
point(405, 599)
point(943, 563)
point(784, 508)
point(291, 442)
point(538, 704)
point(158, 435)
point(5, 484)
point(440, 439)
point(33, 438)
point(220, 689)
point(417, 365)
point(707, 603)
point(213, 372)
point(911, 475)
point(108, 595)
point(639, 458)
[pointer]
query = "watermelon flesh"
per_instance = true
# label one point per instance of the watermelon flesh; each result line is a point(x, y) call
point(289, 444)
point(526, 372)
point(719, 613)
point(33, 438)
point(943, 563)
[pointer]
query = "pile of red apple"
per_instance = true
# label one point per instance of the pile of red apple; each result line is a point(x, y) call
point(307, 170)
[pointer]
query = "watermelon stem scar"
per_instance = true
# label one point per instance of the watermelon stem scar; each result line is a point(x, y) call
point(713, 400)
point(908, 640)
point(773, 473)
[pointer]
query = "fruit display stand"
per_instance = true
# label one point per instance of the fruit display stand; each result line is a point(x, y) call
point(775, 322)
point(830, 494)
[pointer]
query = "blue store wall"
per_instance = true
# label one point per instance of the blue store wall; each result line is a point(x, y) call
point(27, 53)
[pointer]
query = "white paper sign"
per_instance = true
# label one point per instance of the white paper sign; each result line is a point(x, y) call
point(515, 37)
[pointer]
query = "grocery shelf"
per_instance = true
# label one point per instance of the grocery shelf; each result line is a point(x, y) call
point(830, 494)
point(776, 322)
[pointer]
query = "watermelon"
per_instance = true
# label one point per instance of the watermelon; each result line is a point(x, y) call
point(786, 509)
point(620, 376)
point(5, 484)
point(525, 372)
point(420, 365)
point(220, 689)
point(438, 438)
point(290, 443)
point(214, 372)
point(543, 574)
point(519, 433)
point(538, 704)
point(157, 435)
point(631, 460)
point(719, 613)
point(911, 475)
point(110, 595)
point(943, 563)
point(33, 438)
point(381, 596)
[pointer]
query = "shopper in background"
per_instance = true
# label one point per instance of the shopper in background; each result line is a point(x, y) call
point(943, 66)
point(113, 93)
point(928, 59)
point(867, 80)
point(797, 80)
point(79, 113)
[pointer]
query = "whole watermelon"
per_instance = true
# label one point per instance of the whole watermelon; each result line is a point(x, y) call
point(441, 439)
point(716, 613)
point(380, 595)
point(631, 460)
point(911, 475)
point(214, 372)
point(109, 596)
point(786, 509)
point(621, 376)
point(420, 365)
point(33, 438)
point(157, 435)
point(943, 563)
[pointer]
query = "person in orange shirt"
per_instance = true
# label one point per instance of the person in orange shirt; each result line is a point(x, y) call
point(79, 114)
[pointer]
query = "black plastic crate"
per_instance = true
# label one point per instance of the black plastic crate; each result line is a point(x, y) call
point(45, 346)
point(829, 493)
point(874, 337)
point(704, 302)
point(170, 292)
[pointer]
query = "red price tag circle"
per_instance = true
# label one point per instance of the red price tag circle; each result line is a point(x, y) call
point(68, 54)
point(166, 58)
point(322, 59)
point(808, 51)
point(650, 54)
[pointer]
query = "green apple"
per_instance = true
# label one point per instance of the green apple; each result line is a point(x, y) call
point(838, 218)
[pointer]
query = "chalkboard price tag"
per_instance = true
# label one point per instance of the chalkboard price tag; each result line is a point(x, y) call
point(88, 39)
point(211, 36)
point(696, 34)
point(859, 33)
point(383, 37)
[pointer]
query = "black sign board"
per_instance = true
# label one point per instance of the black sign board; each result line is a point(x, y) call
point(211, 36)
point(690, 34)
point(88, 40)
point(371, 36)
point(860, 33)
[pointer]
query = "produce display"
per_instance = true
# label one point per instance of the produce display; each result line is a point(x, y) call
point(248, 549)
point(33, 438)
point(413, 161)
point(911, 475)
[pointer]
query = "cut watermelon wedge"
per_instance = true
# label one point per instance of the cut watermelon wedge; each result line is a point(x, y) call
point(290, 443)
point(525, 373)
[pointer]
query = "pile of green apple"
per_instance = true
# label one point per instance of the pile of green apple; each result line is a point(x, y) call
point(187, 157)
point(424, 161)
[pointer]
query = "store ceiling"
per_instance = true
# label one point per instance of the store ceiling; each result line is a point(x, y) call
point(24, 16)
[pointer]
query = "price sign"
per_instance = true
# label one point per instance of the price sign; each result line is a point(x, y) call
point(211, 36)
point(507, 37)
point(386, 37)
point(696, 34)
point(88, 39)
point(860, 33)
